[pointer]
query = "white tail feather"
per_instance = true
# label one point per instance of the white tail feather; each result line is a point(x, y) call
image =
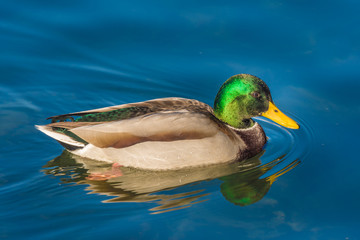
point(59, 136)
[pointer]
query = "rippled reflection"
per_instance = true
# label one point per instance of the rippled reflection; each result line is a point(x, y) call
point(242, 183)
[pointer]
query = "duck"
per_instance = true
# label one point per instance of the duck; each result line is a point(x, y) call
point(173, 133)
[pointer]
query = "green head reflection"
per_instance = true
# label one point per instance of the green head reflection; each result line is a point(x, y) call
point(244, 193)
point(245, 188)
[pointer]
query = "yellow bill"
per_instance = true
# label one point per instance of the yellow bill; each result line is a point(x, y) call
point(277, 116)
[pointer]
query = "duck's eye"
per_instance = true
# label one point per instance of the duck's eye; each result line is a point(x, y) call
point(255, 94)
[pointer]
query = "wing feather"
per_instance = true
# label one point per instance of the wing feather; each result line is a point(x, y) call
point(141, 108)
point(163, 126)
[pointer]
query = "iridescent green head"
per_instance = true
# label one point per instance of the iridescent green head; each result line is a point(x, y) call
point(244, 96)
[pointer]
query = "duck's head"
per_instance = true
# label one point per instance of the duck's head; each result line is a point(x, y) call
point(244, 96)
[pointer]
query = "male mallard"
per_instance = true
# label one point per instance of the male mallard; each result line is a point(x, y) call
point(172, 133)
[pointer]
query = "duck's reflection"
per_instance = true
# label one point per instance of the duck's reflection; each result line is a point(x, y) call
point(243, 183)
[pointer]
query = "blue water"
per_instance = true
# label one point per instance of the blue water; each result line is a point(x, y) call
point(66, 56)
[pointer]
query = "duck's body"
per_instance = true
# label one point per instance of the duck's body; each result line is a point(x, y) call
point(159, 134)
point(162, 134)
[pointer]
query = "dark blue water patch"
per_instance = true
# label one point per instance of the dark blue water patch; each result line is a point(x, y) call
point(61, 57)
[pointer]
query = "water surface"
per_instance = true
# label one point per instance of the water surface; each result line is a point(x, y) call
point(62, 57)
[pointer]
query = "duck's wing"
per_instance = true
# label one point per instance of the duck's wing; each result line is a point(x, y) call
point(167, 119)
point(131, 110)
point(162, 126)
